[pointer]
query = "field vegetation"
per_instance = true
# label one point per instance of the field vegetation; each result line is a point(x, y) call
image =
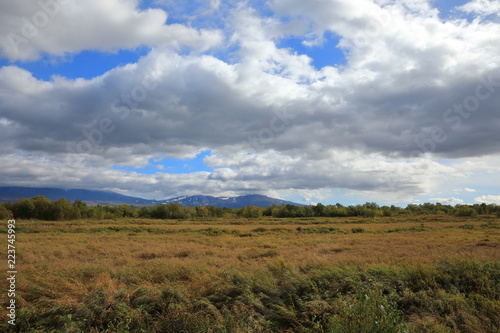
point(41, 208)
point(411, 273)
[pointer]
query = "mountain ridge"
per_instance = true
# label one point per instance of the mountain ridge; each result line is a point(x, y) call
point(96, 197)
point(231, 202)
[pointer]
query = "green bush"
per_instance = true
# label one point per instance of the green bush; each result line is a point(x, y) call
point(368, 312)
point(466, 211)
point(4, 213)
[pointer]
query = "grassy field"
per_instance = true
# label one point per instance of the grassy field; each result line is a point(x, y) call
point(411, 274)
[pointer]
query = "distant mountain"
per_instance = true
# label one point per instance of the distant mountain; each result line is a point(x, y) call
point(12, 193)
point(234, 202)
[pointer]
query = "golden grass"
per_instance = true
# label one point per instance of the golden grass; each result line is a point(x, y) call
point(52, 253)
point(68, 260)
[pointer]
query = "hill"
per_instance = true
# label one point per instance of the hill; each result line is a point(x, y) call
point(91, 197)
point(13, 193)
point(234, 202)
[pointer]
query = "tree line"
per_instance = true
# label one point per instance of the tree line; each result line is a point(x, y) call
point(41, 208)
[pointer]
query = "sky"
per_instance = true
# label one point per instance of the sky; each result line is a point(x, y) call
point(349, 101)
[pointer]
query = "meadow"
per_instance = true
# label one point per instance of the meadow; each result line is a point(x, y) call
point(321, 274)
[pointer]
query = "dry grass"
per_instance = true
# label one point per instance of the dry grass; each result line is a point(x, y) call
point(51, 253)
point(68, 261)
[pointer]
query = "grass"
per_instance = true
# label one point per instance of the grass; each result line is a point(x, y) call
point(425, 274)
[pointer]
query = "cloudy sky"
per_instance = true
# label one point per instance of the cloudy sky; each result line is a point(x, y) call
point(393, 101)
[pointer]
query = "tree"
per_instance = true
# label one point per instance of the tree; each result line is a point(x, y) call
point(98, 212)
point(372, 205)
point(310, 211)
point(82, 207)
point(251, 212)
point(61, 210)
point(202, 211)
point(283, 211)
point(126, 211)
point(161, 211)
point(144, 212)
point(189, 212)
point(386, 211)
point(24, 209)
point(319, 210)
point(464, 210)
point(216, 211)
point(4, 213)
point(42, 207)
point(271, 211)
point(174, 211)
point(336, 211)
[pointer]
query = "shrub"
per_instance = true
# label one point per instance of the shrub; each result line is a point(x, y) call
point(466, 211)
point(367, 312)
point(4, 213)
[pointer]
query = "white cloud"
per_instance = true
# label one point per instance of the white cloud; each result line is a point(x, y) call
point(470, 190)
point(488, 199)
point(30, 30)
point(272, 121)
point(215, 4)
point(482, 7)
point(449, 201)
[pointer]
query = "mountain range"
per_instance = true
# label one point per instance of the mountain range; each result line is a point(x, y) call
point(91, 197)
point(231, 202)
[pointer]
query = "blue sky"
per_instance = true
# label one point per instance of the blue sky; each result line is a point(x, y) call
point(237, 97)
point(171, 165)
point(325, 54)
point(447, 8)
point(87, 65)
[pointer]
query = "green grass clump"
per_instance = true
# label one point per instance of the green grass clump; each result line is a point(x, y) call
point(419, 228)
point(453, 296)
point(321, 230)
point(357, 230)
point(368, 312)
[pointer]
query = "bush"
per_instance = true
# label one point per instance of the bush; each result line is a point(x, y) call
point(24, 209)
point(252, 212)
point(4, 213)
point(367, 312)
point(466, 211)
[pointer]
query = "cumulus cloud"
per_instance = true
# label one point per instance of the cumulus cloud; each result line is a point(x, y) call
point(449, 201)
point(407, 91)
point(414, 88)
point(488, 199)
point(57, 27)
point(482, 7)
